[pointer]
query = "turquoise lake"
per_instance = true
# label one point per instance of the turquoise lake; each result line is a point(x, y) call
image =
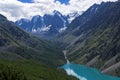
point(86, 73)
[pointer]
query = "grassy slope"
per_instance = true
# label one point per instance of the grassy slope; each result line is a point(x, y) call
point(34, 70)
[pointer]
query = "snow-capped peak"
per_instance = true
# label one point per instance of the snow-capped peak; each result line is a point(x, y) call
point(20, 22)
point(35, 18)
point(51, 24)
point(72, 16)
point(55, 12)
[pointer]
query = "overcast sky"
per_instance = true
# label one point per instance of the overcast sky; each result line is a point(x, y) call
point(16, 9)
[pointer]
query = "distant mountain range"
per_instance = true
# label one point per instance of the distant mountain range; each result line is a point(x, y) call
point(47, 26)
point(94, 38)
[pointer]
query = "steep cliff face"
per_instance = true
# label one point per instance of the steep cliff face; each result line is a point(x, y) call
point(94, 38)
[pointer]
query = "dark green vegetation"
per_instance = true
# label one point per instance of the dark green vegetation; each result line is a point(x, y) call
point(25, 57)
point(94, 38)
point(9, 73)
point(29, 70)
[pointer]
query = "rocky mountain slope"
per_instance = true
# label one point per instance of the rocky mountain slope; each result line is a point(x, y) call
point(94, 38)
point(47, 26)
point(24, 45)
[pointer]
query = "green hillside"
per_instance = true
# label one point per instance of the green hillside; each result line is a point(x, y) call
point(25, 57)
point(23, 45)
point(30, 70)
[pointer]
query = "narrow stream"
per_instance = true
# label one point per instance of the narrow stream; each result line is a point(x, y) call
point(83, 72)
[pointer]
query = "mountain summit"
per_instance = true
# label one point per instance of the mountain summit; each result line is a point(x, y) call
point(47, 26)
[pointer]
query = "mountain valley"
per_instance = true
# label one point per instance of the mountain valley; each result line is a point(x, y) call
point(37, 48)
point(27, 55)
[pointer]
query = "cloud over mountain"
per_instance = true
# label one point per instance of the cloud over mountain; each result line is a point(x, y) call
point(15, 9)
